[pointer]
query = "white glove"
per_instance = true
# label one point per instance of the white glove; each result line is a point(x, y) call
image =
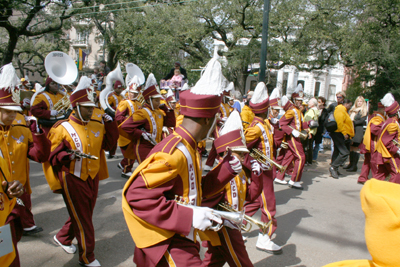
point(398, 151)
point(224, 119)
point(146, 136)
point(265, 167)
point(295, 133)
point(203, 218)
point(107, 117)
point(228, 223)
point(236, 165)
point(255, 167)
point(165, 129)
point(53, 112)
point(274, 120)
point(26, 102)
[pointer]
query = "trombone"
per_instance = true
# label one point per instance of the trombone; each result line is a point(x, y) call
point(263, 159)
point(63, 104)
point(396, 143)
point(303, 136)
point(263, 226)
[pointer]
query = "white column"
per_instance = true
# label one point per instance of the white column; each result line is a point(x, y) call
point(279, 78)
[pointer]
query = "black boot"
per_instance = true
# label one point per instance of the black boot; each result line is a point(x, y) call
point(333, 172)
point(351, 161)
point(353, 167)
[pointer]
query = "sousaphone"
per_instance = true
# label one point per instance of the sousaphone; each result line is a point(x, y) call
point(115, 75)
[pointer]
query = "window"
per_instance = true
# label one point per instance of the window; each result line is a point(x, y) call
point(82, 37)
point(332, 93)
point(317, 87)
point(302, 83)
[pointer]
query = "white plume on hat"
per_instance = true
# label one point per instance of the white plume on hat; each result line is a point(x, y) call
point(260, 93)
point(276, 93)
point(134, 80)
point(185, 87)
point(8, 77)
point(284, 100)
point(84, 83)
point(388, 100)
point(38, 87)
point(212, 81)
point(151, 80)
point(169, 94)
point(234, 122)
point(230, 87)
point(299, 88)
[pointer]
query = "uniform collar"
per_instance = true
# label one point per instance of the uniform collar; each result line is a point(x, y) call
point(187, 136)
point(76, 120)
point(5, 128)
point(258, 119)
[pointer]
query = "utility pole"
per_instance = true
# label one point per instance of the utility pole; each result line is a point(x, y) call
point(264, 42)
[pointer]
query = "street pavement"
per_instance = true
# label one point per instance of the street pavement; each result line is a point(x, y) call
point(321, 224)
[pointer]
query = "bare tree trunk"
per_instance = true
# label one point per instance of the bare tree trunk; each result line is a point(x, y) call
point(9, 50)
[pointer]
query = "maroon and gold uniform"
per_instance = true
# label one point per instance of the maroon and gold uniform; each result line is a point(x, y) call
point(125, 109)
point(6, 206)
point(42, 106)
point(79, 177)
point(293, 118)
point(157, 226)
point(368, 146)
point(146, 120)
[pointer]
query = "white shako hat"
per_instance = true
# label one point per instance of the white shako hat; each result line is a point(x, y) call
point(203, 100)
point(259, 102)
point(231, 135)
point(9, 91)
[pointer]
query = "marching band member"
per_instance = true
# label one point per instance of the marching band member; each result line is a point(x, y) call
point(42, 107)
point(163, 231)
point(74, 144)
point(292, 124)
point(246, 114)
point(19, 143)
point(115, 97)
point(145, 126)
point(235, 193)
point(388, 153)
point(369, 143)
point(9, 191)
point(225, 108)
point(259, 135)
point(126, 109)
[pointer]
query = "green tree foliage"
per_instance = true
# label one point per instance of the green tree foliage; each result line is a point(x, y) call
point(30, 29)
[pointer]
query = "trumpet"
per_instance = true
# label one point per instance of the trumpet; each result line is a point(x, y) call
point(263, 226)
point(81, 154)
point(62, 104)
point(303, 136)
point(233, 216)
point(263, 159)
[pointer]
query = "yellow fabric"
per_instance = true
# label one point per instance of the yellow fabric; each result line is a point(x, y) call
point(254, 132)
point(97, 115)
point(41, 97)
point(291, 114)
point(19, 120)
point(91, 136)
point(380, 146)
point(367, 135)
point(179, 120)
point(241, 184)
point(227, 111)
point(158, 116)
point(247, 116)
point(51, 177)
point(7, 206)
point(111, 99)
point(343, 121)
point(380, 201)
point(14, 145)
point(123, 105)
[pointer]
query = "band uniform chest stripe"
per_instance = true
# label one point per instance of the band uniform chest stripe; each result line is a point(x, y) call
point(230, 142)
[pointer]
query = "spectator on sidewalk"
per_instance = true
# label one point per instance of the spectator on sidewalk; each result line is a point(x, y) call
point(321, 129)
point(312, 114)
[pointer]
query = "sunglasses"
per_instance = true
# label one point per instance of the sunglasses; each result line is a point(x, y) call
point(339, 97)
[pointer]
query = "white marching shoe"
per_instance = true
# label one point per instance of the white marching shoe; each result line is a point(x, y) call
point(69, 249)
point(295, 185)
point(276, 180)
point(265, 243)
point(94, 263)
point(126, 174)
